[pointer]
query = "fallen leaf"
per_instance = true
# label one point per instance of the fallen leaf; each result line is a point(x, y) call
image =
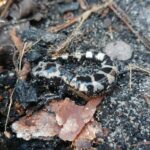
point(16, 39)
point(41, 125)
point(88, 134)
point(73, 117)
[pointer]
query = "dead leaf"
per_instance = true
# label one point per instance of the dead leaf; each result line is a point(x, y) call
point(88, 134)
point(16, 39)
point(41, 125)
point(73, 117)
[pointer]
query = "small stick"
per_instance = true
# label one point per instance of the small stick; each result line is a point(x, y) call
point(4, 12)
point(9, 107)
point(135, 67)
point(60, 27)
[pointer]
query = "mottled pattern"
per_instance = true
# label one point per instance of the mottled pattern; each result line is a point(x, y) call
point(101, 76)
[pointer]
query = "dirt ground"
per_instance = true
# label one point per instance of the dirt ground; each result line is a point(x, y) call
point(125, 111)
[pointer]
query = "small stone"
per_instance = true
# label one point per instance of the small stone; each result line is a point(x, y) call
point(107, 23)
point(118, 50)
point(25, 92)
point(68, 7)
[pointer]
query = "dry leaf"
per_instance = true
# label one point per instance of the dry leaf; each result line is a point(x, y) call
point(89, 133)
point(16, 39)
point(41, 125)
point(73, 117)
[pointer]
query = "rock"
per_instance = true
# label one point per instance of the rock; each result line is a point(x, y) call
point(36, 34)
point(25, 93)
point(118, 50)
point(68, 7)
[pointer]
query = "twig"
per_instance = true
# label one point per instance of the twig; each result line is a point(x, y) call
point(135, 67)
point(9, 107)
point(21, 54)
point(4, 12)
point(63, 26)
point(82, 18)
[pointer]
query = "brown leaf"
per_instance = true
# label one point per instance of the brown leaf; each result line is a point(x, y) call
point(16, 39)
point(89, 133)
point(41, 125)
point(73, 117)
